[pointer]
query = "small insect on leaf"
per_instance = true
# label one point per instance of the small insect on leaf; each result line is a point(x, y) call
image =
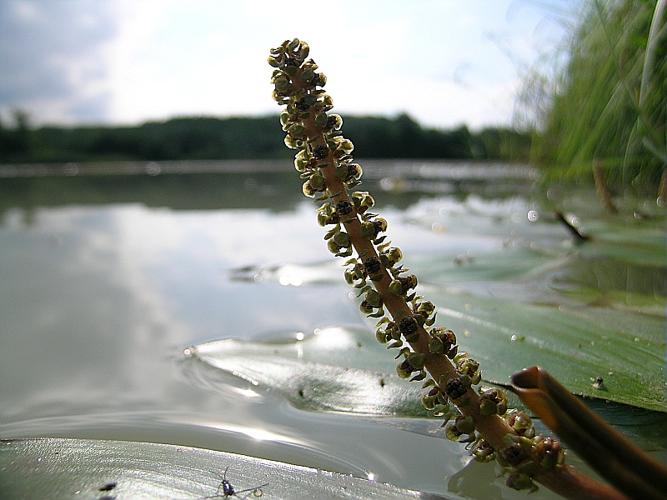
point(226, 489)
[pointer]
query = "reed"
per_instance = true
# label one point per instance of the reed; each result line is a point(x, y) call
point(609, 103)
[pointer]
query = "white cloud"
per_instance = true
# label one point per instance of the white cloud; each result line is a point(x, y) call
point(431, 59)
point(26, 11)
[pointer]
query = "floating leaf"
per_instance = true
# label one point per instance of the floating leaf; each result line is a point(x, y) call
point(79, 468)
point(336, 369)
point(576, 344)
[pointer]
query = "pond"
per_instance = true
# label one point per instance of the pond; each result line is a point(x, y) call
point(106, 281)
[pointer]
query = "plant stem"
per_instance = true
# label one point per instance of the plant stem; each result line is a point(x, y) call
point(323, 152)
point(564, 480)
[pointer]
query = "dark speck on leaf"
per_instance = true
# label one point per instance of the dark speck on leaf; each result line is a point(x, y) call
point(108, 486)
point(382, 382)
point(300, 393)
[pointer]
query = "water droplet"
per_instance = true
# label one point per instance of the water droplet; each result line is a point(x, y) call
point(517, 338)
point(299, 335)
point(533, 215)
point(598, 384)
point(436, 227)
point(153, 168)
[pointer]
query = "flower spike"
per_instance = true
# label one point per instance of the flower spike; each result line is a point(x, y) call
point(324, 161)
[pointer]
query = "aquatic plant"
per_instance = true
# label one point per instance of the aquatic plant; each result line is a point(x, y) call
point(608, 103)
point(426, 353)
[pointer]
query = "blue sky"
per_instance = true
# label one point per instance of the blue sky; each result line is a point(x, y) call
point(444, 62)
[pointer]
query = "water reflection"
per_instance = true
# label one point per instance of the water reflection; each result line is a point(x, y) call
point(104, 281)
point(273, 191)
point(256, 433)
point(241, 185)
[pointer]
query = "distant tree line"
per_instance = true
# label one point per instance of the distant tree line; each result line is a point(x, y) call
point(207, 138)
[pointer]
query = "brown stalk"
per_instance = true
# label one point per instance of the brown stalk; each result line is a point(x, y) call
point(662, 189)
point(564, 480)
point(604, 195)
point(612, 455)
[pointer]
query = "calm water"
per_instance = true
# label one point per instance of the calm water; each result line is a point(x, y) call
point(104, 280)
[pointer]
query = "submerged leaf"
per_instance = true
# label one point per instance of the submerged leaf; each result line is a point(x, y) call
point(336, 369)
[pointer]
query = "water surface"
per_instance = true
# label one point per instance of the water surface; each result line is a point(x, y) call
point(106, 279)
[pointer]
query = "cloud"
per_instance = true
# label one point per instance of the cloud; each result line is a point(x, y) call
point(130, 61)
point(52, 57)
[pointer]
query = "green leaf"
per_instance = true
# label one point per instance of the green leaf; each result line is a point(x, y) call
point(641, 243)
point(575, 344)
point(582, 312)
point(79, 468)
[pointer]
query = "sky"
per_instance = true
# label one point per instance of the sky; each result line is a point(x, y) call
point(444, 62)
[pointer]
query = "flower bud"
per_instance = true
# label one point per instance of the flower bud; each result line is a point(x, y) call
point(408, 327)
point(374, 298)
point(317, 181)
point(430, 399)
point(417, 359)
point(483, 452)
point(520, 481)
point(332, 246)
point(320, 152)
point(373, 268)
point(521, 423)
point(344, 208)
point(366, 308)
point(381, 336)
point(457, 387)
point(465, 424)
point(308, 190)
point(492, 402)
point(334, 122)
point(395, 287)
point(321, 120)
point(404, 369)
point(468, 366)
point(391, 256)
point(547, 452)
point(296, 130)
point(342, 239)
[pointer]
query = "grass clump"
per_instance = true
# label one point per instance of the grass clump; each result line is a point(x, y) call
point(609, 104)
